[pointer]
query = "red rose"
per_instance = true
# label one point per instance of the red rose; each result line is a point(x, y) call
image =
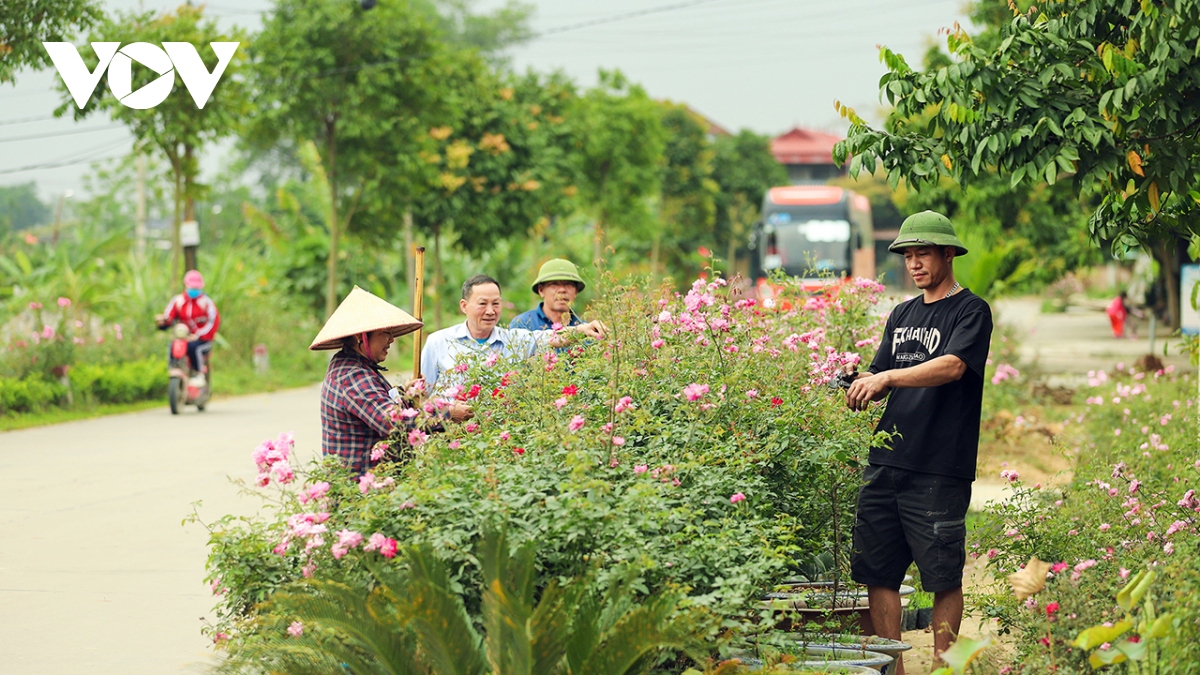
point(776, 402)
point(475, 389)
point(1051, 608)
point(496, 393)
point(518, 451)
point(570, 390)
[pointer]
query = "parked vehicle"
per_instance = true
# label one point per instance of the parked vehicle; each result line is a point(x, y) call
point(817, 233)
point(187, 387)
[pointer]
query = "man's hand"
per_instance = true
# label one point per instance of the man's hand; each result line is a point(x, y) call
point(461, 412)
point(867, 387)
point(594, 329)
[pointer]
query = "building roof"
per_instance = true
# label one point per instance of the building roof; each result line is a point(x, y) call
point(804, 146)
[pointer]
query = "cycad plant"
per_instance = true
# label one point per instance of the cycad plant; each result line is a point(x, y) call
point(412, 621)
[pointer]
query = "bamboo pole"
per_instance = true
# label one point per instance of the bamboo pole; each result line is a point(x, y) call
point(418, 304)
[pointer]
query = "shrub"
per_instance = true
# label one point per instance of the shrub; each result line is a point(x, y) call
point(699, 444)
point(121, 382)
point(1131, 506)
point(28, 394)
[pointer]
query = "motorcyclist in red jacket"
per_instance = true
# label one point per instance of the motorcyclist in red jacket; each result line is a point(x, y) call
point(198, 312)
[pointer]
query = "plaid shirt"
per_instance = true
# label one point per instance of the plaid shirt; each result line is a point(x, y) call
point(356, 411)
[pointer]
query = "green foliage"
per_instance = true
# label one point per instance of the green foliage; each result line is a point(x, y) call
point(618, 149)
point(1097, 90)
point(363, 85)
point(28, 23)
point(20, 208)
point(28, 394)
point(412, 620)
point(121, 383)
point(1129, 506)
point(713, 497)
point(175, 127)
point(743, 168)
point(687, 201)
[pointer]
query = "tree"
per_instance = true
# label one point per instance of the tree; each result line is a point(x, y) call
point(20, 208)
point(25, 24)
point(1105, 92)
point(744, 170)
point(176, 127)
point(489, 34)
point(497, 166)
point(687, 203)
point(355, 82)
point(618, 149)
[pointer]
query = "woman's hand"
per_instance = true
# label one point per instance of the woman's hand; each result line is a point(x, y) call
point(415, 388)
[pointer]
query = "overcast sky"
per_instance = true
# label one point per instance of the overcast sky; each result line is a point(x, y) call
point(765, 65)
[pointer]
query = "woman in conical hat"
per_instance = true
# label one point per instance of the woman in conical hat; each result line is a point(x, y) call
point(356, 399)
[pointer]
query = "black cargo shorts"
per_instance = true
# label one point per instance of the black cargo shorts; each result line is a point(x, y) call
point(906, 516)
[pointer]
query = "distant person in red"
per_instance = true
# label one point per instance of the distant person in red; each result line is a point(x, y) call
point(198, 312)
point(1117, 311)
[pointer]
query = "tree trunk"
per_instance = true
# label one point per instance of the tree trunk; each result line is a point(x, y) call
point(334, 226)
point(1167, 254)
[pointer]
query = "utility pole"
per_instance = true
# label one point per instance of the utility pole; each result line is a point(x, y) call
point(58, 215)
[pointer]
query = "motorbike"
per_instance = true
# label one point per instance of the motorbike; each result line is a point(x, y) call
point(186, 387)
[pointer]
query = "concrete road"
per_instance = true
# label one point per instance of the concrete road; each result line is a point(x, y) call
point(97, 574)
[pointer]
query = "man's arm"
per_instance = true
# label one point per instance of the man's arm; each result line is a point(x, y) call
point(869, 387)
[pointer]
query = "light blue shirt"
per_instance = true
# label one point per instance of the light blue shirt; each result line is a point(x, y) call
point(446, 347)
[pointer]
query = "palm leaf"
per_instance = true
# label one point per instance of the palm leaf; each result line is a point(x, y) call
point(449, 643)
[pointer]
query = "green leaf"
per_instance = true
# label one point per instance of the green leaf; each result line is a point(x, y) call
point(1136, 651)
point(1018, 175)
point(964, 651)
point(1163, 625)
point(1106, 657)
point(1131, 595)
point(1097, 635)
point(1051, 172)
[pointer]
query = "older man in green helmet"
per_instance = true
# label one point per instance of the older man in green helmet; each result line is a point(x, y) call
point(558, 282)
point(914, 500)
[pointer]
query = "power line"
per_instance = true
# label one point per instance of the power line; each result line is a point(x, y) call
point(55, 134)
point(83, 158)
point(24, 120)
point(620, 17)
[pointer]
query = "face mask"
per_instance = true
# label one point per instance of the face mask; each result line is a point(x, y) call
point(194, 293)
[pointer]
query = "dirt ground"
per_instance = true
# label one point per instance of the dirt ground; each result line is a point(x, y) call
point(919, 659)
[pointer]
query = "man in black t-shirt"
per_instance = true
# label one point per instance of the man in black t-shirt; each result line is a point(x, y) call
point(914, 499)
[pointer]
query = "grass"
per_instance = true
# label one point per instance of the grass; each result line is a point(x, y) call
point(233, 381)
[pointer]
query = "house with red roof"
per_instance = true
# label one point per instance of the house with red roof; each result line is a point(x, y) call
point(807, 155)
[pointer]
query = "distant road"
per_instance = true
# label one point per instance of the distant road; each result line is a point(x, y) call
point(97, 576)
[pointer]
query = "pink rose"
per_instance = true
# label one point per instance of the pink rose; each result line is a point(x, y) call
point(737, 497)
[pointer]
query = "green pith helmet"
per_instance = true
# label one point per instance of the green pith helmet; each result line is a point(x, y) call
point(558, 270)
point(927, 228)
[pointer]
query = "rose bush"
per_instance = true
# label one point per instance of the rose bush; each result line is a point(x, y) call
point(1131, 505)
point(700, 444)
